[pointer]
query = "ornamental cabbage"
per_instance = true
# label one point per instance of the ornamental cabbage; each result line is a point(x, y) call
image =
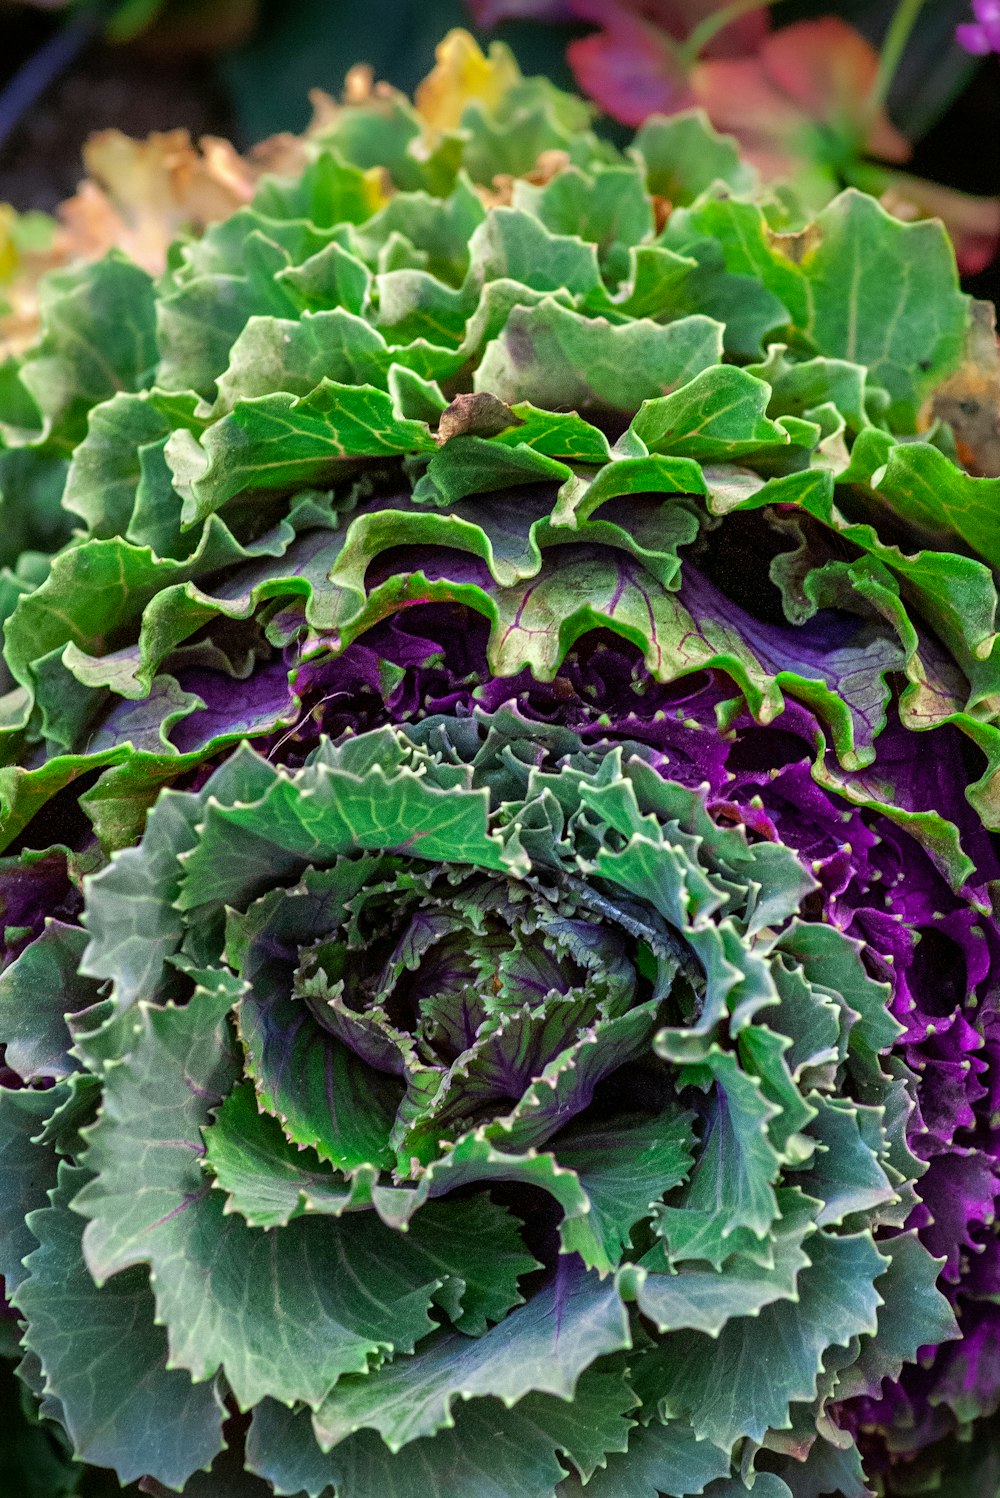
point(498, 1001)
point(473, 1088)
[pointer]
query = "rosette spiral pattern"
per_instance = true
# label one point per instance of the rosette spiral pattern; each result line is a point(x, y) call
point(480, 1107)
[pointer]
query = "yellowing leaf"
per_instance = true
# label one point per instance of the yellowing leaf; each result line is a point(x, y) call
point(464, 73)
point(140, 193)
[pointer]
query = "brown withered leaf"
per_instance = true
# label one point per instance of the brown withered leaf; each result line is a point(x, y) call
point(479, 415)
point(969, 400)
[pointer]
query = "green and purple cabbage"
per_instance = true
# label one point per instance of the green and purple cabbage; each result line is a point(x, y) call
point(562, 1055)
point(473, 1108)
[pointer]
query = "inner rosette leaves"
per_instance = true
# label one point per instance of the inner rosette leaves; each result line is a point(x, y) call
point(481, 1090)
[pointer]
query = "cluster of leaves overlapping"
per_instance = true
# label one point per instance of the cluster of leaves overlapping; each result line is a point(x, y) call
point(423, 965)
point(475, 1036)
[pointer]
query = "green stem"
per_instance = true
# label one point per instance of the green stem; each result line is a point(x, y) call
point(692, 47)
point(893, 48)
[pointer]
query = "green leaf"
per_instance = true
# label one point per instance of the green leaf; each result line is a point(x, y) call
point(478, 1288)
point(329, 191)
point(723, 1385)
point(267, 1180)
point(31, 510)
point(704, 1300)
point(904, 316)
point(662, 1458)
point(491, 1452)
point(284, 1313)
point(831, 962)
point(439, 228)
point(34, 1453)
point(861, 285)
point(914, 1313)
point(62, 1130)
point(798, 387)
point(683, 156)
point(241, 847)
point(625, 1167)
point(279, 441)
point(558, 434)
point(332, 277)
point(844, 1171)
point(543, 1346)
point(608, 207)
point(717, 415)
point(295, 355)
point(765, 1485)
point(474, 1159)
point(36, 991)
point(107, 465)
point(229, 274)
point(554, 357)
point(105, 1360)
point(98, 337)
point(131, 918)
point(511, 245)
point(297, 1065)
point(732, 1184)
point(27, 1172)
point(590, 1425)
point(469, 465)
point(927, 492)
point(750, 311)
point(827, 1470)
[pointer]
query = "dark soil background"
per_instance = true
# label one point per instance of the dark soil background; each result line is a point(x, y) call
point(963, 150)
point(262, 86)
point(104, 86)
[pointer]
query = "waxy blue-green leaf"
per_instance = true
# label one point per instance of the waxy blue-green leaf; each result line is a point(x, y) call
point(489, 1452)
point(542, 1347)
point(348, 1292)
point(27, 1172)
point(267, 1180)
point(844, 1171)
point(324, 1096)
point(732, 1184)
point(694, 1297)
point(662, 1457)
point(726, 1390)
point(911, 1300)
point(827, 1470)
point(625, 1168)
point(282, 830)
point(105, 1360)
point(36, 991)
point(131, 917)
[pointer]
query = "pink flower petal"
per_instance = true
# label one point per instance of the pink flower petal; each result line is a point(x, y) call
point(629, 68)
